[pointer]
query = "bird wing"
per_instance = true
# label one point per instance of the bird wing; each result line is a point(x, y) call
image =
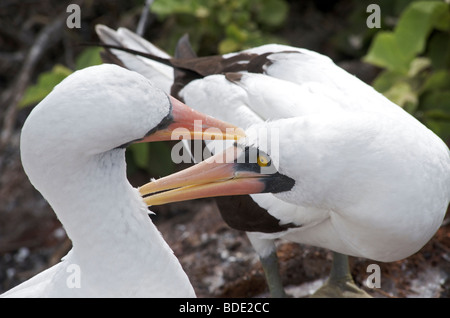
point(249, 87)
point(161, 75)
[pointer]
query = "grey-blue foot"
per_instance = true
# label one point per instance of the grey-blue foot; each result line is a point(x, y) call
point(343, 288)
point(340, 284)
point(272, 273)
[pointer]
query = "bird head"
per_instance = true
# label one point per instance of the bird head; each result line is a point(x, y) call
point(101, 109)
point(251, 165)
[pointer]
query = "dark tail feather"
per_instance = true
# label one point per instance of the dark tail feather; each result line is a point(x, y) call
point(146, 55)
point(184, 49)
point(182, 76)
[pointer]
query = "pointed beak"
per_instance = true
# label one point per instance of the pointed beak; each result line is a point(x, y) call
point(219, 175)
point(188, 123)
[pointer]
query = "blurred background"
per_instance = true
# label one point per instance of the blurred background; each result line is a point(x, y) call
point(404, 52)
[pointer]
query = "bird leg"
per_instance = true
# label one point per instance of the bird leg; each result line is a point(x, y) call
point(340, 284)
point(272, 273)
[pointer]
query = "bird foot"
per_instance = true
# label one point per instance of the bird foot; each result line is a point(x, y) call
point(343, 288)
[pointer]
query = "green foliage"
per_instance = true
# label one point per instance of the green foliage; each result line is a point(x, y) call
point(89, 57)
point(48, 80)
point(234, 24)
point(356, 37)
point(45, 83)
point(153, 157)
point(396, 50)
point(415, 58)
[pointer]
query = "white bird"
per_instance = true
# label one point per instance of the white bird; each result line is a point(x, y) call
point(378, 189)
point(73, 151)
point(292, 82)
point(361, 183)
point(163, 76)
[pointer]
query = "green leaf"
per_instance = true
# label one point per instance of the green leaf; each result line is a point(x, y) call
point(416, 23)
point(89, 57)
point(202, 12)
point(436, 100)
point(237, 34)
point(385, 52)
point(141, 154)
point(438, 80)
point(225, 17)
point(439, 127)
point(160, 159)
point(396, 50)
point(228, 45)
point(272, 13)
point(437, 114)
point(439, 50)
point(45, 83)
point(418, 65)
point(402, 94)
point(244, 20)
point(164, 8)
point(154, 157)
point(386, 79)
point(442, 21)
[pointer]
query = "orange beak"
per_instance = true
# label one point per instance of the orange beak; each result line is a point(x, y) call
point(221, 175)
point(188, 123)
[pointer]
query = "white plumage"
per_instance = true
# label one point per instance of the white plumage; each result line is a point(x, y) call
point(371, 180)
point(72, 149)
point(367, 185)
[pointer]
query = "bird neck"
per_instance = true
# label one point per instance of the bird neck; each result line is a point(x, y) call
point(108, 223)
point(94, 201)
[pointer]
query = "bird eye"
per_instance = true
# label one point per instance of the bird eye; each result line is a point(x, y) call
point(263, 161)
